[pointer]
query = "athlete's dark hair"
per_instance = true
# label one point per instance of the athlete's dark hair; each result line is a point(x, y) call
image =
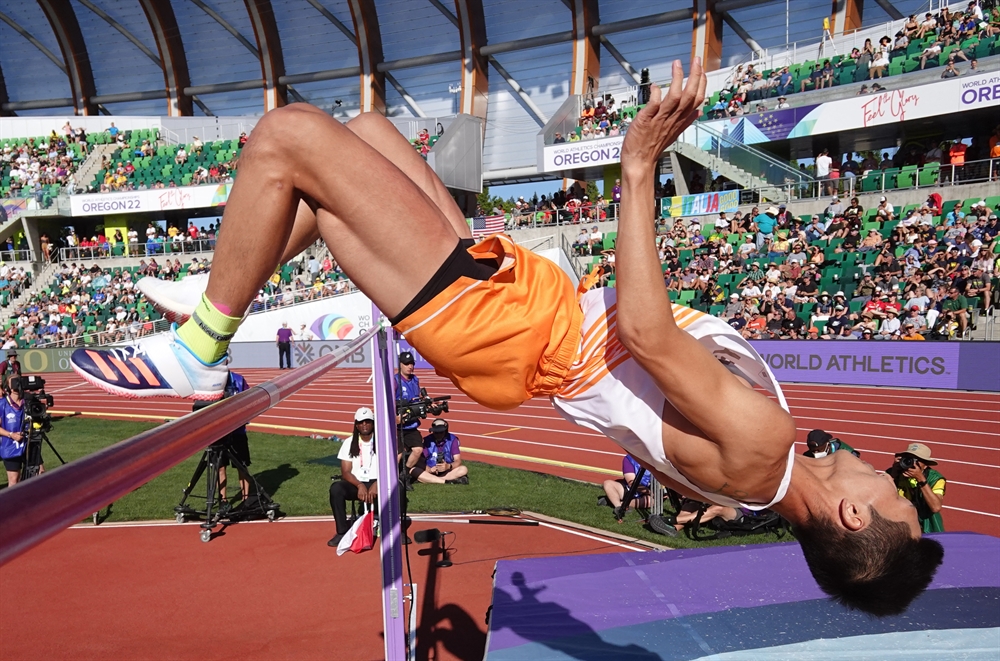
point(879, 569)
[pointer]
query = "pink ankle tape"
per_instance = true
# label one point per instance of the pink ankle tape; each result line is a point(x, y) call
point(224, 309)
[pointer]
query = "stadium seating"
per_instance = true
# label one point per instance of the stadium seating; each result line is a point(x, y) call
point(162, 167)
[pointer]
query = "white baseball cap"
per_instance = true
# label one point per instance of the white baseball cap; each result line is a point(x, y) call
point(364, 413)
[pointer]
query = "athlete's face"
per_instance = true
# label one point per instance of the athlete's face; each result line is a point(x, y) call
point(863, 486)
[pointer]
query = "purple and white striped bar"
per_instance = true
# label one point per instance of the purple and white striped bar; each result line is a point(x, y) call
point(390, 548)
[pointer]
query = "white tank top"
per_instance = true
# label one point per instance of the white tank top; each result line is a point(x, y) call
point(624, 403)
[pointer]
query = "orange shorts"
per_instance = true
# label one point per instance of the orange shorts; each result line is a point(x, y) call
point(504, 340)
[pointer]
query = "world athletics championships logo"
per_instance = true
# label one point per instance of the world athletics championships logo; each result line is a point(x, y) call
point(332, 327)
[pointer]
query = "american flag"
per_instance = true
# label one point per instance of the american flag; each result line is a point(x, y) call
point(487, 225)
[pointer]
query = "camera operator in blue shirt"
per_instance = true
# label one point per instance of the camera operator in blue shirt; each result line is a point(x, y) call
point(12, 438)
point(440, 460)
point(407, 390)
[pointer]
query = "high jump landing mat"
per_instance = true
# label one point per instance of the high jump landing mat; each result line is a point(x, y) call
point(755, 603)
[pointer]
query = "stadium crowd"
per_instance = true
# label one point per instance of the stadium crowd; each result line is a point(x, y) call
point(954, 40)
point(99, 305)
point(36, 167)
point(847, 273)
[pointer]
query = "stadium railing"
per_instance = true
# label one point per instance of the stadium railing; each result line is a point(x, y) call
point(910, 177)
point(119, 250)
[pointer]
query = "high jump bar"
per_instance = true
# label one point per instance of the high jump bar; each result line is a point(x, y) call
point(37, 509)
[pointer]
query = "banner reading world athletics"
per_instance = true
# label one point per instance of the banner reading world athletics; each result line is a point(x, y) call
point(700, 205)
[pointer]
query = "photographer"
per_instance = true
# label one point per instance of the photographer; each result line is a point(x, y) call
point(408, 390)
point(12, 438)
point(358, 472)
point(440, 460)
point(920, 484)
point(821, 444)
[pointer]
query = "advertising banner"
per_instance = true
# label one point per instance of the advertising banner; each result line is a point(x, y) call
point(156, 199)
point(892, 106)
point(700, 205)
point(335, 318)
point(265, 354)
point(584, 153)
point(37, 361)
point(873, 363)
point(14, 205)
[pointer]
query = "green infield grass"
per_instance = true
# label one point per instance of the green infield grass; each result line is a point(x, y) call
point(297, 471)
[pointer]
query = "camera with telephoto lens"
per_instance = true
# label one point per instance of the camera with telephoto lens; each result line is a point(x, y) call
point(36, 401)
point(421, 407)
point(906, 462)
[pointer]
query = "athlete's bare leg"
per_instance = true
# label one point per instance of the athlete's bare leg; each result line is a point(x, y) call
point(383, 136)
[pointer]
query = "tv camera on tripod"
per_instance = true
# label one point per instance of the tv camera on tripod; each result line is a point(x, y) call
point(37, 422)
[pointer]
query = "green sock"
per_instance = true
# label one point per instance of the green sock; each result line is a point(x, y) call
point(208, 332)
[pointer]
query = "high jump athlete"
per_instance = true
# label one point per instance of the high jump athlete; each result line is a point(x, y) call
point(671, 385)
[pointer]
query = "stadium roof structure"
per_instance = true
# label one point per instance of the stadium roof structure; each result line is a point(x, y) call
point(511, 62)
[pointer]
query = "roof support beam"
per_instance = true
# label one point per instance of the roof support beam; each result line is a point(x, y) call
point(369, 40)
point(613, 52)
point(123, 30)
point(733, 5)
point(530, 42)
point(741, 33)
point(674, 16)
point(4, 98)
point(525, 100)
point(706, 38)
point(846, 16)
point(337, 23)
point(167, 35)
point(475, 93)
point(890, 9)
point(37, 104)
point(272, 63)
point(62, 18)
point(33, 41)
point(586, 73)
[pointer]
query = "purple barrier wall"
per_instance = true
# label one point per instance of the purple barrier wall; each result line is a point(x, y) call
point(946, 365)
point(949, 365)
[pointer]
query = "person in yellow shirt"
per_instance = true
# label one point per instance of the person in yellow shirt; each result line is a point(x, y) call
point(909, 333)
point(172, 231)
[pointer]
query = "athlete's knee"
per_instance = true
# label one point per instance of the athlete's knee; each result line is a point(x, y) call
point(278, 134)
point(369, 122)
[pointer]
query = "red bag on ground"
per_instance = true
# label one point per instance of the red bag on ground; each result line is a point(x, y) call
point(360, 537)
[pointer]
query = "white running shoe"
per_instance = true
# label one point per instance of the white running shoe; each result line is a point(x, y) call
point(174, 299)
point(159, 366)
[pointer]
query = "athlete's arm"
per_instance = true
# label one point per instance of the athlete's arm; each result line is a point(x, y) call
point(741, 422)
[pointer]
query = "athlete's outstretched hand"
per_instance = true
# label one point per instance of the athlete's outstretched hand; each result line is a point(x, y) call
point(665, 117)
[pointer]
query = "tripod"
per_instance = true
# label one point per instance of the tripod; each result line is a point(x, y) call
point(257, 506)
point(33, 451)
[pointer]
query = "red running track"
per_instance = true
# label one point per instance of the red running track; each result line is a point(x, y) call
point(962, 429)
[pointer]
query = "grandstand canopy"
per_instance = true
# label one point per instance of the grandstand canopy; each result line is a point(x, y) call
point(512, 62)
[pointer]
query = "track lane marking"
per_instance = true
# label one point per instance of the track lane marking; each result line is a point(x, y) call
point(490, 433)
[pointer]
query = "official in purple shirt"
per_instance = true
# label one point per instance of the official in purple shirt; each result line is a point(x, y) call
point(284, 341)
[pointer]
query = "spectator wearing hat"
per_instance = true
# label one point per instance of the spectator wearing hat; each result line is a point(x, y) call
point(819, 444)
point(834, 209)
point(920, 484)
point(765, 223)
point(889, 329)
point(954, 307)
point(838, 320)
point(910, 332)
point(358, 471)
point(11, 368)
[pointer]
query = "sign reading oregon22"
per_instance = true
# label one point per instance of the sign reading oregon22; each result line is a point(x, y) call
point(583, 153)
